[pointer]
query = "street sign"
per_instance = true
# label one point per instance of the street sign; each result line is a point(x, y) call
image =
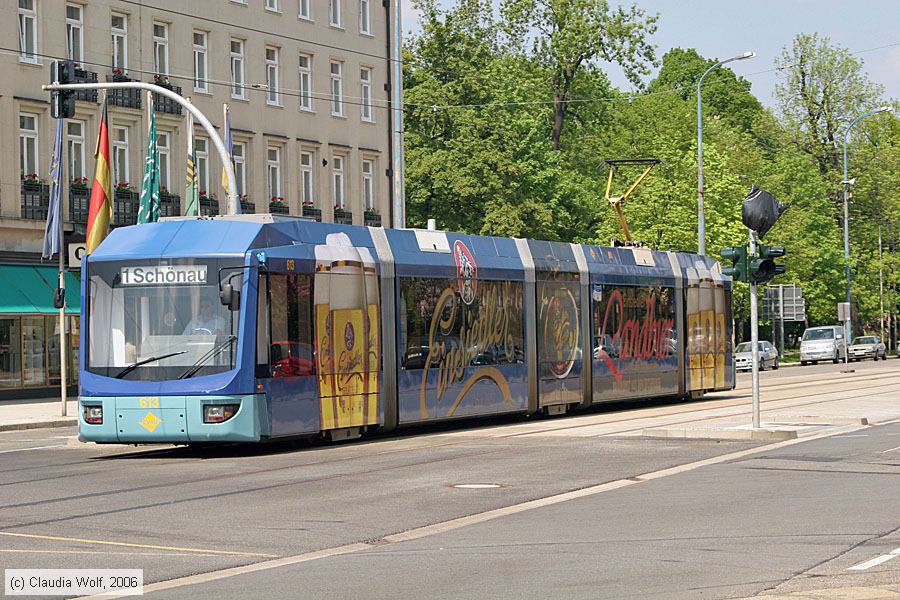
point(843, 312)
point(792, 301)
point(76, 252)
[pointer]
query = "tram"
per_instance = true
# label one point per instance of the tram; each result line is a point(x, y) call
point(248, 328)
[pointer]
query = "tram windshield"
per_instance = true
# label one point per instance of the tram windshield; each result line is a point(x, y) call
point(154, 321)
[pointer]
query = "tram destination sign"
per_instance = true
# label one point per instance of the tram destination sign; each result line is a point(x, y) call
point(163, 275)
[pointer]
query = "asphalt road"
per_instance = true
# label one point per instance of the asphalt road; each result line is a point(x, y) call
point(577, 512)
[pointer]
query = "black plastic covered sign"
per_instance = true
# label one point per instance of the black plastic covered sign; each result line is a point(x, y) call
point(760, 211)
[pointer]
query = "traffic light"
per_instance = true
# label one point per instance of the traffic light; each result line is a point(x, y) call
point(62, 102)
point(738, 257)
point(763, 267)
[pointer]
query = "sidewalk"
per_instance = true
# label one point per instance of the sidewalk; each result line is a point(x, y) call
point(36, 414)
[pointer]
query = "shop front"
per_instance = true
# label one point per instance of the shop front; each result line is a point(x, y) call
point(30, 328)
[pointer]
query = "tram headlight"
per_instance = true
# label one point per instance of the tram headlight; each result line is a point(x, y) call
point(217, 413)
point(93, 415)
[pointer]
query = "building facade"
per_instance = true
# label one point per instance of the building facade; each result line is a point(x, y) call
point(306, 83)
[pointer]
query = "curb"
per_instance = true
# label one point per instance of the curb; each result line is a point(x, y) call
point(755, 435)
point(66, 422)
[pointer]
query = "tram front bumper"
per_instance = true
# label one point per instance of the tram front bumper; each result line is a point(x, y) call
point(169, 419)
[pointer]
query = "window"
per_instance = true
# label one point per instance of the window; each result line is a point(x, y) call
point(74, 30)
point(120, 155)
point(161, 48)
point(291, 353)
point(272, 76)
point(365, 25)
point(28, 144)
point(337, 182)
point(365, 94)
point(237, 69)
point(273, 168)
point(307, 198)
point(368, 184)
point(75, 148)
point(201, 83)
point(201, 148)
point(10, 352)
point(334, 13)
point(119, 27)
point(306, 82)
point(163, 146)
point(239, 157)
point(28, 31)
point(304, 11)
point(337, 90)
point(272, 5)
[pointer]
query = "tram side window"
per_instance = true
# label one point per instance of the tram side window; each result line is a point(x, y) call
point(290, 343)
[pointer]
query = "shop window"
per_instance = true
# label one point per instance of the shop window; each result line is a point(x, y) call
point(10, 353)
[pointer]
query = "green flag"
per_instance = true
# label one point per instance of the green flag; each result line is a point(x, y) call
point(148, 211)
point(191, 192)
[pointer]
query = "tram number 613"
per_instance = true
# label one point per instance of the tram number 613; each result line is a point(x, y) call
point(149, 402)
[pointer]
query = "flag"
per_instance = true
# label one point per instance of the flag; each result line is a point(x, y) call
point(228, 150)
point(51, 233)
point(100, 211)
point(148, 210)
point(191, 193)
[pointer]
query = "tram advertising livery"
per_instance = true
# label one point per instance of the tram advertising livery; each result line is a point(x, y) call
point(252, 327)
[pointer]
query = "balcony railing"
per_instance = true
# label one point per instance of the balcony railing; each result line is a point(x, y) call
point(79, 205)
point(209, 207)
point(123, 97)
point(125, 207)
point(164, 104)
point(35, 200)
point(279, 209)
point(315, 213)
point(343, 217)
point(247, 207)
point(371, 219)
point(85, 76)
point(169, 205)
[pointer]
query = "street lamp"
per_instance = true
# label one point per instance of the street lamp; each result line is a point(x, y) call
point(701, 218)
point(847, 182)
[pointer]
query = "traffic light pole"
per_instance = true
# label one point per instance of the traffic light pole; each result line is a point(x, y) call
point(754, 336)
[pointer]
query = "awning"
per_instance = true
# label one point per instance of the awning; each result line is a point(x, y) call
point(29, 290)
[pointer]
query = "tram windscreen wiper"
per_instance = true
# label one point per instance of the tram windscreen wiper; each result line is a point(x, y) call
point(214, 351)
point(134, 366)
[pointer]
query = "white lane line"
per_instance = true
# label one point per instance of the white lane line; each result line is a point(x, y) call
point(876, 561)
point(848, 436)
point(450, 525)
point(891, 450)
point(34, 448)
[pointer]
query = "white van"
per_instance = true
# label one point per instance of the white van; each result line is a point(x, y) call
point(823, 343)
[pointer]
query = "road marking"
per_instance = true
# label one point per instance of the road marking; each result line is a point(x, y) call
point(849, 436)
point(130, 545)
point(891, 450)
point(35, 448)
point(105, 553)
point(876, 561)
point(450, 525)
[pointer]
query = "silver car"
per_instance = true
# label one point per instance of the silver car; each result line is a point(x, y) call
point(768, 356)
point(823, 343)
point(867, 346)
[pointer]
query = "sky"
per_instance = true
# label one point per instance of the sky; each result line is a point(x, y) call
point(724, 28)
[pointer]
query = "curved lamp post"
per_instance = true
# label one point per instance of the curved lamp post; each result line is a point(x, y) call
point(701, 218)
point(847, 183)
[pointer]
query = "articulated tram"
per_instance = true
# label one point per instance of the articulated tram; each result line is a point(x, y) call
point(252, 327)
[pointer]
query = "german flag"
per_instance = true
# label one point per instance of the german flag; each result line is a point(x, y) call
point(100, 212)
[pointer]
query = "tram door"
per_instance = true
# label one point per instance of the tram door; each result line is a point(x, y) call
point(347, 334)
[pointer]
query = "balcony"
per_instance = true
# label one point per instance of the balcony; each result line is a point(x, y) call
point(164, 104)
point(125, 207)
point(312, 212)
point(169, 204)
point(247, 207)
point(371, 219)
point(35, 200)
point(278, 208)
point(343, 217)
point(123, 97)
point(79, 204)
point(209, 207)
point(84, 76)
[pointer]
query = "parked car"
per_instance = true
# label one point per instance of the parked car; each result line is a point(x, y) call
point(823, 343)
point(867, 346)
point(743, 356)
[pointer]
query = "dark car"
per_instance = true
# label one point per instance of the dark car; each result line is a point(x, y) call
point(292, 359)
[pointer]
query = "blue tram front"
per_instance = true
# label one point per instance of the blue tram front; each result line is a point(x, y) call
point(252, 327)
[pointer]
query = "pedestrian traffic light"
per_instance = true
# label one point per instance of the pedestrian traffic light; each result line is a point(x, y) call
point(62, 102)
point(738, 257)
point(763, 267)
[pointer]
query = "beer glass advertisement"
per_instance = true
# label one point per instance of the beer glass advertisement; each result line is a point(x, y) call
point(559, 343)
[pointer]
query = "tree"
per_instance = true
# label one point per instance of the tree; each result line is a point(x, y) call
point(570, 36)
